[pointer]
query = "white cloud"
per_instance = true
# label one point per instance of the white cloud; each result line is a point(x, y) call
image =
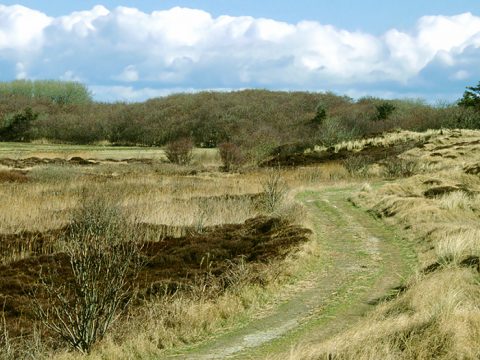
point(20, 71)
point(69, 75)
point(129, 74)
point(21, 28)
point(186, 48)
point(440, 37)
point(461, 75)
point(81, 22)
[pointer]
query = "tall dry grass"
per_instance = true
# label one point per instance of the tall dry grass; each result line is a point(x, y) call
point(162, 195)
point(437, 315)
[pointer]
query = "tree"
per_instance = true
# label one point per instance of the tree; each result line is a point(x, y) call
point(471, 97)
point(58, 92)
point(384, 110)
point(320, 115)
point(18, 127)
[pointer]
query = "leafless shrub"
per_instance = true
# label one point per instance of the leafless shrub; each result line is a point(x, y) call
point(357, 165)
point(180, 151)
point(102, 258)
point(274, 191)
point(231, 155)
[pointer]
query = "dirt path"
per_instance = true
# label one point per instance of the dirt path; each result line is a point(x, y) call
point(363, 260)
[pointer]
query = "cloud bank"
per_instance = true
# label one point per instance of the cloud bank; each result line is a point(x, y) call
point(126, 54)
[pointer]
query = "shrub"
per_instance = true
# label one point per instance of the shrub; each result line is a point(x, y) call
point(357, 164)
point(320, 115)
point(231, 155)
point(334, 130)
point(17, 129)
point(180, 151)
point(274, 192)
point(384, 110)
point(102, 256)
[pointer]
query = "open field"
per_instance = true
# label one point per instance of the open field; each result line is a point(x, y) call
point(100, 152)
point(200, 230)
point(220, 263)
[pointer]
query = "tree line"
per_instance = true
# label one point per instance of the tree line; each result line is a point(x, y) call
point(255, 120)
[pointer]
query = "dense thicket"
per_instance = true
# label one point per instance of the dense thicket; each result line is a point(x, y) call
point(256, 120)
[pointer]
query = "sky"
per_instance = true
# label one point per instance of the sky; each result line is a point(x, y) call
point(134, 50)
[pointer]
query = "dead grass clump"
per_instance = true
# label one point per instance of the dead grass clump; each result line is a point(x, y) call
point(456, 247)
point(459, 200)
point(399, 167)
point(472, 169)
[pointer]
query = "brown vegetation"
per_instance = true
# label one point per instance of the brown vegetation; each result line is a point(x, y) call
point(258, 121)
point(199, 238)
point(204, 240)
point(179, 151)
point(368, 152)
point(231, 155)
point(13, 176)
point(169, 265)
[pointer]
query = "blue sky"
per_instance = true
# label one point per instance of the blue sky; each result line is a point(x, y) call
point(132, 50)
point(368, 15)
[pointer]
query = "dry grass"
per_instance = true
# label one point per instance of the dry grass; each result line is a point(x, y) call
point(173, 321)
point(437, 316)
point(101, 152)
point(162, 194)
point(386, 140)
